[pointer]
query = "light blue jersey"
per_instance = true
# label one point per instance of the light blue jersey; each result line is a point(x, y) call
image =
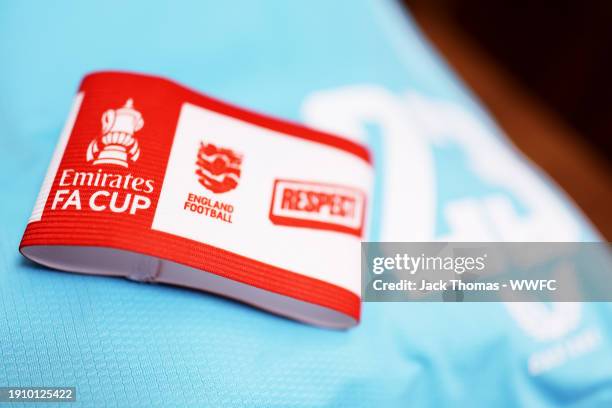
point(444, 171)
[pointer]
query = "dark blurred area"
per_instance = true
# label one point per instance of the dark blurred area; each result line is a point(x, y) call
point(544, 71)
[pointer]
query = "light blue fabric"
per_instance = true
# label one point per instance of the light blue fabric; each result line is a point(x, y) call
point(127, 344)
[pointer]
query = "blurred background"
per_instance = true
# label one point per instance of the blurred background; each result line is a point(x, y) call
point(543, 70)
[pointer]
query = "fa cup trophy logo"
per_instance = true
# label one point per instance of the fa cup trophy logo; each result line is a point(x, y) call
point(118, 142)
